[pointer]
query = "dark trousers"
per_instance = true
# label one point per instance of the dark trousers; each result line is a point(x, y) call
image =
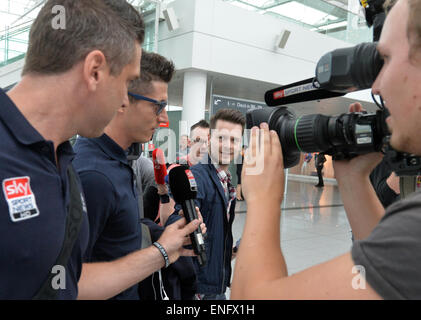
point(319, 174)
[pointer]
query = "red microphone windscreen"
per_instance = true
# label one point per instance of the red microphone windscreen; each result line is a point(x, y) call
point(159, 167)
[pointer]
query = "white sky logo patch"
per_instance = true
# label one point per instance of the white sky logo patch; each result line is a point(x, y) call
point(21, 200)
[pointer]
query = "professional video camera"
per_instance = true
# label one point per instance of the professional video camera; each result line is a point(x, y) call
point(344, 136)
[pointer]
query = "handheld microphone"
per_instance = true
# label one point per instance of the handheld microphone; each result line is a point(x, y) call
point(160, 171)
point(184, 190)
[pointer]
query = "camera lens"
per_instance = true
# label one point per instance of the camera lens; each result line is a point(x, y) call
point(342, 136)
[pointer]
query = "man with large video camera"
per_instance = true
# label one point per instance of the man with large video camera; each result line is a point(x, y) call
point(384, 261)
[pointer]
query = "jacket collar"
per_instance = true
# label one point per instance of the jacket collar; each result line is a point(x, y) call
point(215, 179)
point(15, 121)
point(26, 134)
point(111, 148)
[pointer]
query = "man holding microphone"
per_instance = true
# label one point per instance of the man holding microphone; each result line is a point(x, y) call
point(108, 180)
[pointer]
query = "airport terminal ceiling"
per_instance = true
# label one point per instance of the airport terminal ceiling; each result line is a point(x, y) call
point(316, 15)
point(312, 13)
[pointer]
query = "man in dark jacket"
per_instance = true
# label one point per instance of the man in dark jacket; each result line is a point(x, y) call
point(216, 201)
point(320, 159)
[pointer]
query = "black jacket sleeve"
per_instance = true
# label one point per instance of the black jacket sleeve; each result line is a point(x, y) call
point(378, 179)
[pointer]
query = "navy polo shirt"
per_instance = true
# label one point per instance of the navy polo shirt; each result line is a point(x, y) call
point(33, 208)
point(111, 199)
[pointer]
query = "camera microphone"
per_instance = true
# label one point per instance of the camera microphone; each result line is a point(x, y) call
point(184, 190)
point(160, 171)
point(337, 73)
point(300, 91)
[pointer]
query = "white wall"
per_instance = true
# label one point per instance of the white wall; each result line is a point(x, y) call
point(219, 37)
point(10, 74)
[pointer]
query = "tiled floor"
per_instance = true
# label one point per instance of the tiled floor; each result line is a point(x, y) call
point(314, 227)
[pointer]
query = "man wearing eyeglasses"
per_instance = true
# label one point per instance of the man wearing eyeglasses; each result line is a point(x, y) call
point(111, 196)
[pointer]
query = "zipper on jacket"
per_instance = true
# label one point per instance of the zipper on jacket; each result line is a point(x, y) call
point(223, 265)
point(229, 225)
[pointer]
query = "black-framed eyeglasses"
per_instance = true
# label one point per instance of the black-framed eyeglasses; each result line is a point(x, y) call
point(160, 104)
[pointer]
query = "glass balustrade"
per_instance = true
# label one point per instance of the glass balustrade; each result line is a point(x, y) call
point(14, 43)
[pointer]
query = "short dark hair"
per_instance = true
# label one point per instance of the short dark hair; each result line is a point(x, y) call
point(111, 26)
point(153, 67)
point(230, 115)
point(201, 124)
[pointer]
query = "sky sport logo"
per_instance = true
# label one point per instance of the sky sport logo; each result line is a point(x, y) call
point(20, 199)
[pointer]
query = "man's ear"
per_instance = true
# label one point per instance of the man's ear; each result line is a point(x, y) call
point(95, 69)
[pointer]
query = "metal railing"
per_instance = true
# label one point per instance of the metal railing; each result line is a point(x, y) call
point(14, 42)
point(335, 21)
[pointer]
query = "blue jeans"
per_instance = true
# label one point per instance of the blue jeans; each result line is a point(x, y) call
point(201, 296)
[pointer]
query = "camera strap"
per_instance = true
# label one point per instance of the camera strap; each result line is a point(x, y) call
point(73, 223)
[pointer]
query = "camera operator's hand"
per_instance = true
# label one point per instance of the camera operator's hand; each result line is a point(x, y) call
point(362, 206)
point(393, 183)
point(356, 168)
point(393, 179)
point(263, 171)
point(356, 107)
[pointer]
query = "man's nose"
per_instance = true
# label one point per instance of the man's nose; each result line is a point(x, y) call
point(163, 116)
point(375, 88)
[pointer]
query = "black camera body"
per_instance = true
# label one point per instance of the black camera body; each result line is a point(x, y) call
point(343, 136)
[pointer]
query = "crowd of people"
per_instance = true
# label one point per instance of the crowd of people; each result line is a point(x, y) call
point(97, 218)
